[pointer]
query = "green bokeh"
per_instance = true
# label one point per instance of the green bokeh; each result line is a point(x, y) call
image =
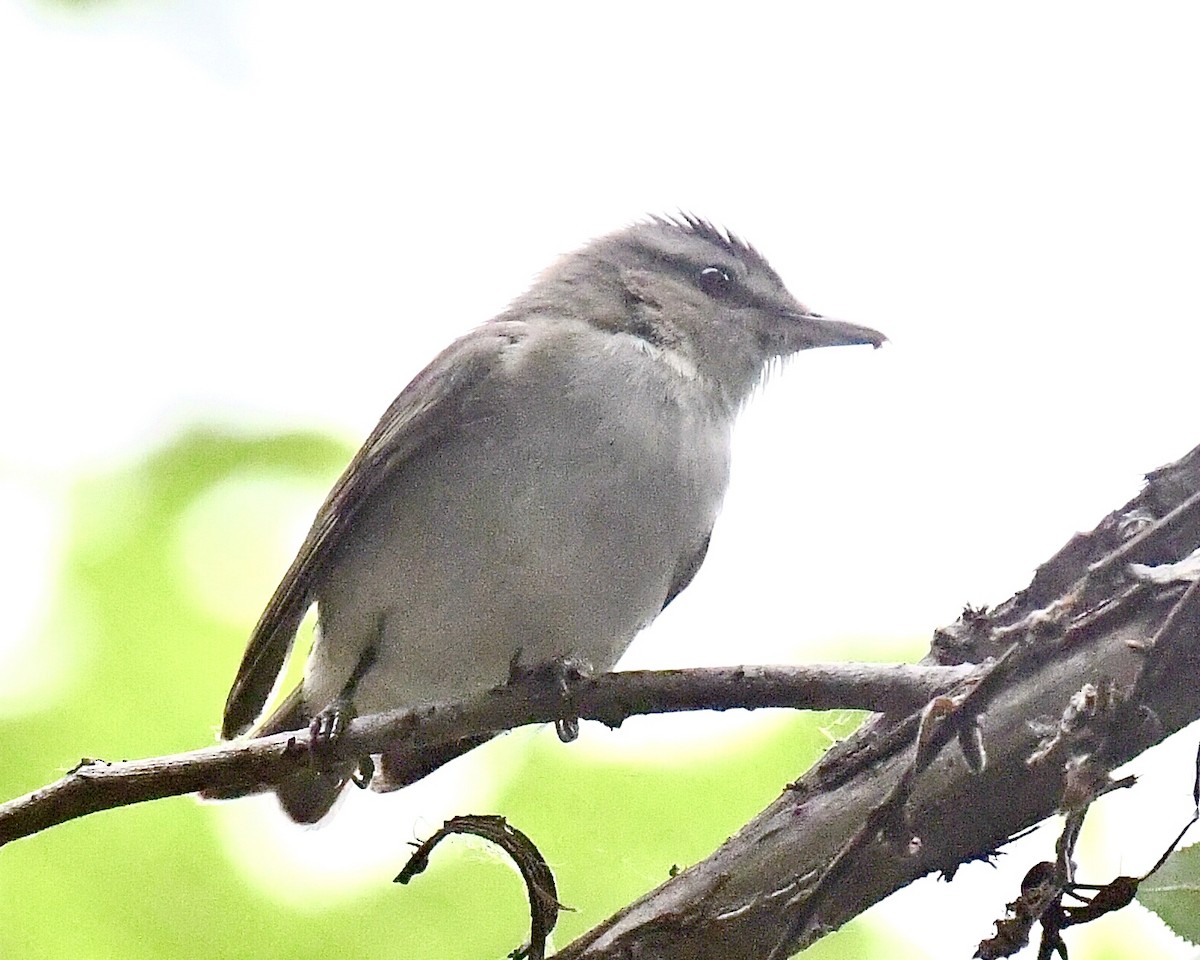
point(152, 880)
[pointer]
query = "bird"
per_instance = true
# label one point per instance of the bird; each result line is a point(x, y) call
point(538, 494)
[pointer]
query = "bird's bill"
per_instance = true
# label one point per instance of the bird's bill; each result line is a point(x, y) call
point(818, 331)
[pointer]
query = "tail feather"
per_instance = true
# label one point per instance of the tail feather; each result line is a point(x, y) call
point(309, 794)
point(289, 715)
point(399, 769)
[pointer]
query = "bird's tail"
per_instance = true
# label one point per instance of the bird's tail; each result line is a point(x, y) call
point(399, 769)
point(307, 795)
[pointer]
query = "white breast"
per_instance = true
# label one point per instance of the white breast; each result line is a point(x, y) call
point(550, 519)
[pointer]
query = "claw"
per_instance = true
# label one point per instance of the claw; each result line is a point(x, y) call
point(329, 725)
point(559, 676)
point(567, 729)
point(363, 773)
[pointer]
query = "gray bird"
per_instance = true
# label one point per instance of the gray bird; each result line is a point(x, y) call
point(538, 493)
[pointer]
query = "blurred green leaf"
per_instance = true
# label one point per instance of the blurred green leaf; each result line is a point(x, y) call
point(154, 551)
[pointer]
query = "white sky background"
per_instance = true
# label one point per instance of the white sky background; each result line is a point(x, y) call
point(276, 213)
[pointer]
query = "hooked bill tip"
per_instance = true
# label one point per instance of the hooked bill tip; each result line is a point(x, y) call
point(826, 332)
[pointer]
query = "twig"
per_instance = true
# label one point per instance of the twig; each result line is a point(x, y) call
point(539, 878)
point(95, 785)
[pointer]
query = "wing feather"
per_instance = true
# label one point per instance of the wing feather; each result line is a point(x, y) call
point(687, 568)
point(423, 411)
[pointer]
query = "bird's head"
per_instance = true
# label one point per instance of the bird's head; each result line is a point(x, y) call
point(697, 294)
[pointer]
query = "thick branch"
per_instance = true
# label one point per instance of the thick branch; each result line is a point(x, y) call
point(95, 785)
point(1093, 619)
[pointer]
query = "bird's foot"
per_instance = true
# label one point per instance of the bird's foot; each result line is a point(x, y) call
point(560, 677)
point(328, 726)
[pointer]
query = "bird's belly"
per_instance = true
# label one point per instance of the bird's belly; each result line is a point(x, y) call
point(507, 544)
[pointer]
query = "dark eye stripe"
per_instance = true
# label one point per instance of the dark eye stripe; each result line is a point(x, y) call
point(689, 270)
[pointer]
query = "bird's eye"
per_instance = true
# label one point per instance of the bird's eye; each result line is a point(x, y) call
point(716, 281)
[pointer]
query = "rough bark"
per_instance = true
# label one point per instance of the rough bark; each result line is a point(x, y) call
point(1095, 661)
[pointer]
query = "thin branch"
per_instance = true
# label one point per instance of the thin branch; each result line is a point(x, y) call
point(95, 785)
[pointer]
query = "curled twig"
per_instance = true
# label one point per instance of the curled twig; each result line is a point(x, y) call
point(539, 879)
